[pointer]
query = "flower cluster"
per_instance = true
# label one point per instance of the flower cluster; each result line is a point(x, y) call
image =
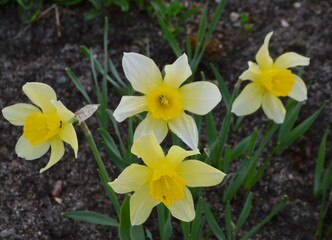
point(165, 179)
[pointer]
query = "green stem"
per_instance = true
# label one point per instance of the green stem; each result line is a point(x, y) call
point(105, 179)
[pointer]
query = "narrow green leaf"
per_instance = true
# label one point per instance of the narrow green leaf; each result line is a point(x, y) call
point(211, 129)
point(222, 86)
point(91, 217)
point(244, 214)
point(212, 222)
point(169, 36)
point(320, 163)
point(112, 150)
point(196, 226)
point(137, 232)
point(228, 221)
point(78, 84)
point(274, 212)
point(125, 225)
point(241, 147)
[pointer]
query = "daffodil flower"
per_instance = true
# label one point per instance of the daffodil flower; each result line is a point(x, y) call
point(270, 80)
point(164, 179)
point(46, 123)
point(165, 100)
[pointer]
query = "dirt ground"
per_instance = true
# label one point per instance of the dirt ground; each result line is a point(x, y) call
point(27, 208)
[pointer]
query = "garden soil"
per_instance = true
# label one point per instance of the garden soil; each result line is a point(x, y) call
point(31, 203)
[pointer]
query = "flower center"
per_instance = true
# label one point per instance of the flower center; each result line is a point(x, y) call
point(165, 103)
point(166, 186)
point(40, 127)
point(278, 82)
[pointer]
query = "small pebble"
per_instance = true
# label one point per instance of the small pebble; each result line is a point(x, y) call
point(284, 23)
point(234, 16)
point(297, 5)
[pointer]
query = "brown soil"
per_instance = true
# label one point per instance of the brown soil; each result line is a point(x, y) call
point(27, 208)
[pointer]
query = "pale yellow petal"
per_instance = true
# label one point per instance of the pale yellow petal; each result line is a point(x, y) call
point(183, 209)
point(252, 73)
point(130, 106)
point(263, 56)
point(26, 150)
point(157, 126)
point(178, 72)
point(64, 114)
point(17, 113)
point(41, 95)
point(299, 90)
point(185, 128)
point(176, 154)
point(273, 108)
point(131, 179)
point(141, 71)
point(198, 174)
point(141, 205)
point(57, 151)
point(200, 97)
point(148, 148)
point(68, 135)
point(291, 59)
point(249, 100)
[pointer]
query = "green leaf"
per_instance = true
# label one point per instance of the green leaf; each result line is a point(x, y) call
point(241, 147)
point(137, 232)
point(299, 130)
point(320, 164)
point(274, 212)
point(244, 214)
point(169, 36)
point(212, 222)
point(112, 150)
point(196, 226)
point(228, 220)
point(125, 225)
point(222, 86)
point(78, 84)
point(91, 217)
point(211, 129)
point(91, 14)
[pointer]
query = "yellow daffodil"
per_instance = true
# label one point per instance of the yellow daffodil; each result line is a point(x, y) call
point(165, 100)
point(270, 80)
point(164, 179)
point(46, 123)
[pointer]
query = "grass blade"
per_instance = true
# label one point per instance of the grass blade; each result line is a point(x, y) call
point(91, 217)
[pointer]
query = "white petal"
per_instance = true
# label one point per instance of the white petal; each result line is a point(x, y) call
point(131, 179)
point(185, 128)
point(141, 205)
point(130, 106)
point(147, 148)
point(198, 174)
point(252, 73)
point(273, 108)
point(158, 126)
point(25, 150)
point(249, 100)
point(291, 59)
point(178, 72)
point(68, 135)
point(299, 90)
point(263, 56)
point(17, 113)
point(41, 95)
point(142, 72)
point(200, 97)
point(183, 209)
point(57, 151)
